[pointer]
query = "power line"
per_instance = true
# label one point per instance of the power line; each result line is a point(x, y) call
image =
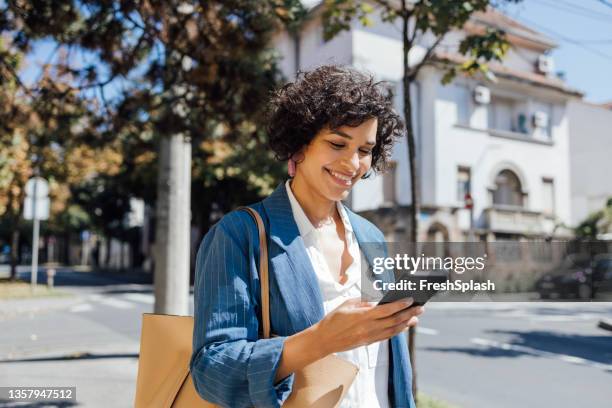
point(577, 7)
point(608, 41)
point(605, 3)
point(567, 39)
point(574, 9)
point(587, 12)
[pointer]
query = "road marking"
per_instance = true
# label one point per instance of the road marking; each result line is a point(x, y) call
point(541, 353)
point(427, 330)
point(82, 307)
point(552, 318)
point(573, 359)
point(140, 298)
point(119, 304)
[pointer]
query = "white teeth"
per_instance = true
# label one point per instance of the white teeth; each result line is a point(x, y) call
point(342, 177)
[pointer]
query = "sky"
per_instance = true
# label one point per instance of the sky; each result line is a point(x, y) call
point(582, 29)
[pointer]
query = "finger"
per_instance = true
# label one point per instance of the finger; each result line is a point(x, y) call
point(403, 316)
point(357, 302)
point(387, 309)
point(394, 330)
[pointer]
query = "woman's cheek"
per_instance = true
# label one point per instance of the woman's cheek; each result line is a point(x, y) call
point(366, 164)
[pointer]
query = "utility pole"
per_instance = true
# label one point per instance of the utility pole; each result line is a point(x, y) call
point(173, 220)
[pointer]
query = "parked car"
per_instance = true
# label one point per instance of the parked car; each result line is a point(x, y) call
point(578, 278)
point(602, 276)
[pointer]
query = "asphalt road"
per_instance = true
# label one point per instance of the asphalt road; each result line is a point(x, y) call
point(470, 355)
point(516, 354)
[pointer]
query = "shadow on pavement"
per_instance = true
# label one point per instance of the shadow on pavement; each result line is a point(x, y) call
point(596, 348)
point(592, 348)
point(491, 351)
point(40, 404)
point(127, 290)
point(93, 278)
point(80, 356)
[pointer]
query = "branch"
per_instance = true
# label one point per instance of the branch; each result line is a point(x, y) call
point(386, 4)
point(415, 70)
point(414, 33)
point(103, 97)
point(97, 84)
point(15, 75)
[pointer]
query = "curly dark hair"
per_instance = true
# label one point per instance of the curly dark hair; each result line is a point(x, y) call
point(331, 96)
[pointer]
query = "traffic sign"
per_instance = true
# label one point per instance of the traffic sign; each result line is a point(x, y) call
point(42, 208)
point(37, 186)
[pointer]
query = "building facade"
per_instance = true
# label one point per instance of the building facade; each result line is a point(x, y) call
point(590, 164)
point(502, 140)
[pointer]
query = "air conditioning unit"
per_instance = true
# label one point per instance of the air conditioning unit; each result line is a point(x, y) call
point(482, 95)
point(545, 64)
point(540, 119)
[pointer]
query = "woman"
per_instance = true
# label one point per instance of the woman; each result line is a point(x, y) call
point(335, 125)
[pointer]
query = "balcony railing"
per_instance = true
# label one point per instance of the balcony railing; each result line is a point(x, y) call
point(516, 220)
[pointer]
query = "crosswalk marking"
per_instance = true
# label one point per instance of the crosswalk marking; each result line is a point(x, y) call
point(140, 297)
point(81, 307)
point(119, 304)
point(123, 301)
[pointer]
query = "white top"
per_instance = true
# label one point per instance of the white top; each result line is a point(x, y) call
point(370, 388)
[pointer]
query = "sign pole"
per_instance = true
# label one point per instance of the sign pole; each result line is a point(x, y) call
point(34, 273)
point(36, 208)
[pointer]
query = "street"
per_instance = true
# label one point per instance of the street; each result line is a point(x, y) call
point(468, 354)
point(516, 354)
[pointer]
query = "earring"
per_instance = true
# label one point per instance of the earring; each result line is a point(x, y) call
point(291, 167)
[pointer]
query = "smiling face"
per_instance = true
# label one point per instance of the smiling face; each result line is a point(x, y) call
point(337, 159)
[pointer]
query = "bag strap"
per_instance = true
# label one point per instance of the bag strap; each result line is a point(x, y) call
point(263, 270)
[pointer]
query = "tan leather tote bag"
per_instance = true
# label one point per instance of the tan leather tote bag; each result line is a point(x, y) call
point(164, 380)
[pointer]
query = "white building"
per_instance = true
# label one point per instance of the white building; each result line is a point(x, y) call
point(506, 143)
point(591, 153)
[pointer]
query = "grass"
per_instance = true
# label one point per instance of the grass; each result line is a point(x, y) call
point(22, 290)
point(425, 401)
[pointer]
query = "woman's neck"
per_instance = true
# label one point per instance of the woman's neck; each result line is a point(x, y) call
point(317, 208)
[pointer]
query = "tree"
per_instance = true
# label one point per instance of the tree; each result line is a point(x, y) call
point(41, 133)
point(15, 166)
point(596, 224)
point(177, 72)
point(425, 22)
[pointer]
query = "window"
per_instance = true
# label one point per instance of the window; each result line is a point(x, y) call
point(463, 183)
point(389, 184)
point(508, 189)
point(464, 105)
point(548, 196)
point(542, 120)
point(508, 115)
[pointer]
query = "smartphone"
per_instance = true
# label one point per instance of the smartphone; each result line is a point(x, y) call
point(420, 296)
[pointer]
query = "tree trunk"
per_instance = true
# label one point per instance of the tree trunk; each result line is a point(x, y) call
point(14, 249)
point(414, 181)
point(109, 246)
point(172, 235)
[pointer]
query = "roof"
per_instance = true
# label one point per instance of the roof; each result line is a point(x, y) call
point(516, 32)
point(513, 74)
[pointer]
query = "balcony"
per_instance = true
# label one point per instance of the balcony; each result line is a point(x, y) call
point(515, 220)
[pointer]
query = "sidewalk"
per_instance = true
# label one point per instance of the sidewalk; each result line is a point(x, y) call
point(15, 307)
point(103, 377)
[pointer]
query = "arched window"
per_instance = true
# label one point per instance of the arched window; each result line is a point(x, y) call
point(508, 189)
